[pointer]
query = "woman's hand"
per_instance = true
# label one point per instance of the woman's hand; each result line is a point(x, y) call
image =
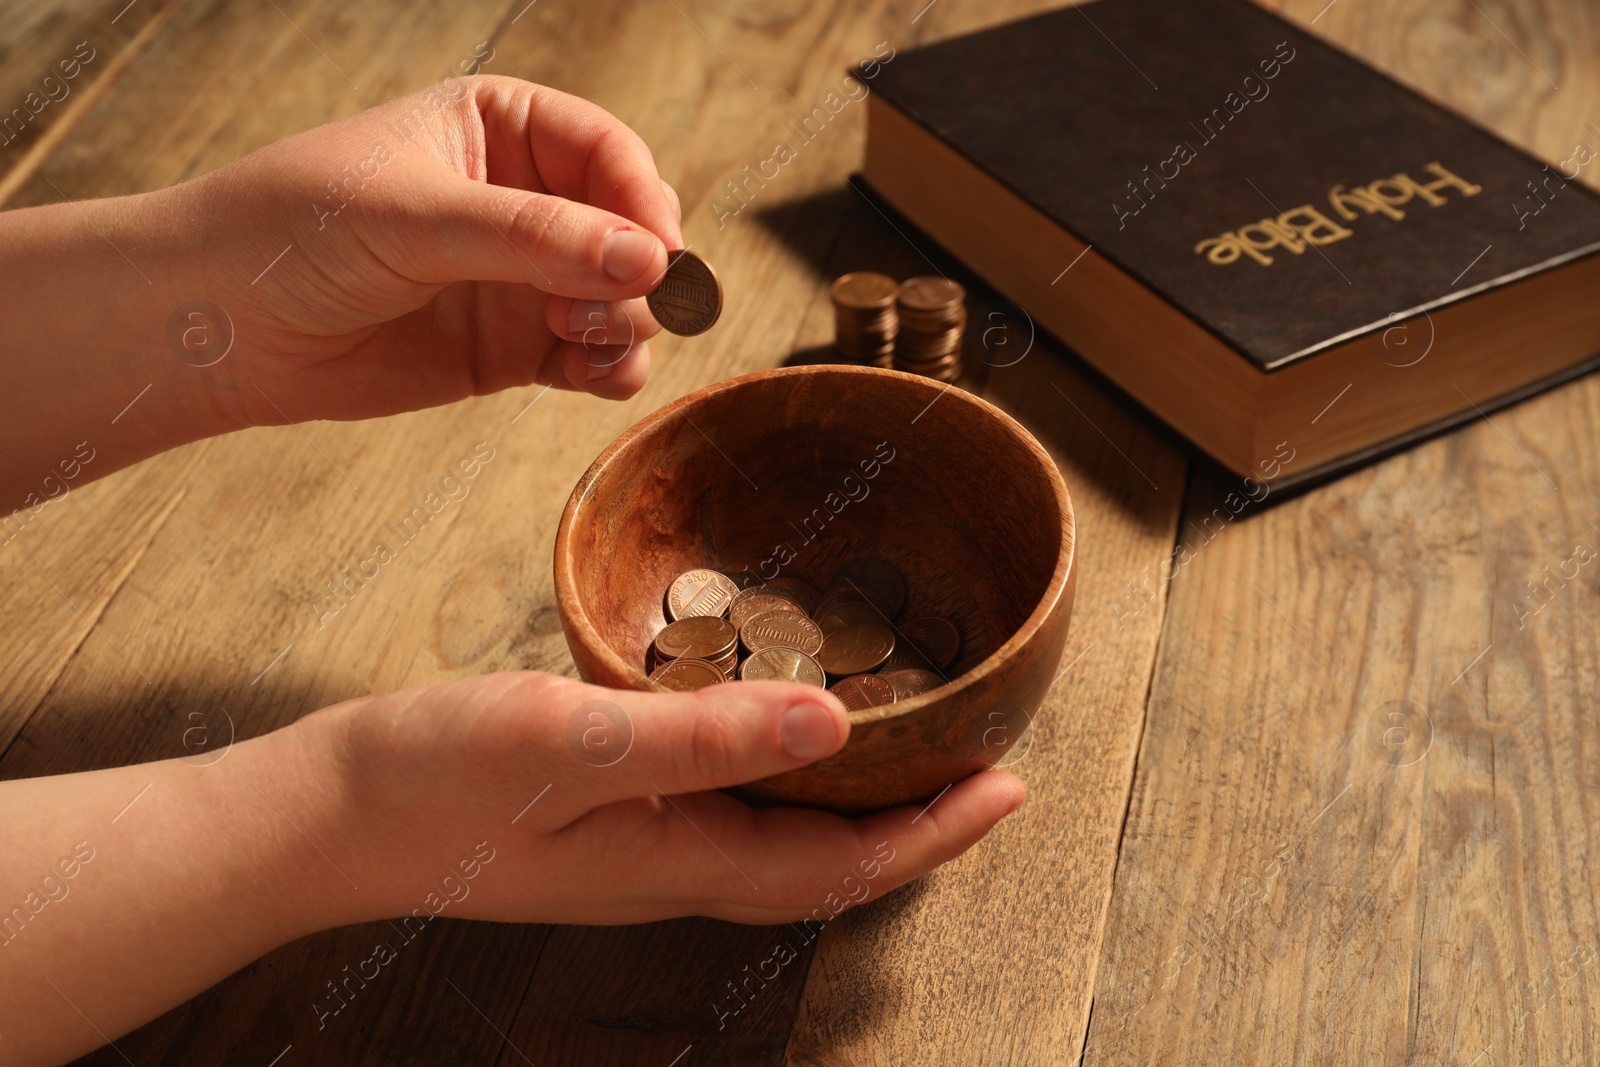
point(514, 797)
point(480, 234)
point(601, 806)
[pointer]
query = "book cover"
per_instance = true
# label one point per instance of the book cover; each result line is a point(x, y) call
point(1279, 192)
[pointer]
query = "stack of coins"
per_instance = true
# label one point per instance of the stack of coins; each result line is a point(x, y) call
point(864, 317)
point(933, 322)
point(786, 629)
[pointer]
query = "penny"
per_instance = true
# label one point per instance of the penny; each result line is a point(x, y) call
point(865, 318)
point(799, 590)
point(856, 649)
point(782, 665)
point(842, 613)
point(928, 293)
point(865, 290)
point(699, 592)
point(745, 578)
point(907, 657)
point(757, 599)
point(911, 682)
point(697, 637)
point(689, 298)
point(851, 594)
point(861, 691)
point(781, 629)
point(877, 576)
point(686, 674)
point(932, 316)
point(936, 638)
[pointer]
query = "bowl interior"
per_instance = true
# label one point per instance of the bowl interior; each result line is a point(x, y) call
point(800, 471)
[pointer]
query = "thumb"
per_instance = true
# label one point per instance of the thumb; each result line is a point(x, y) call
point(459, 229)
point(720, 736)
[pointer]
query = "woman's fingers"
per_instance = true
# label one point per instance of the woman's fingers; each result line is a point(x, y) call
point(539, 138)
point(610, 372)
point(446, 228)
point(718, 736)
point(600, 322)
point(672, 199)
point(711, 854)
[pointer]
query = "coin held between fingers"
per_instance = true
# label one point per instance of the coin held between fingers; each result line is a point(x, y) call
point(689, 299)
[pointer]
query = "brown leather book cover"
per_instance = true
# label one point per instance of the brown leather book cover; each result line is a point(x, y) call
point(1282, 194)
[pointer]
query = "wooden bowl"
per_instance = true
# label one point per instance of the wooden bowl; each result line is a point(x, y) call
point(798, 471)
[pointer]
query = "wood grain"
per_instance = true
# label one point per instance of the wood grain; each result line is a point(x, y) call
point(1261, 910)
point(57, 60)
point(989, 959)
point(1360, 826)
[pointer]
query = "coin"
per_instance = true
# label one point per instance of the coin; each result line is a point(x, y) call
point(865, 290)
point(936, 638)
point(799, 590)
point(856, 649)
point(911, 682)
point(697, 637)
point(927, 293)
point(744, 578)
point(689, 298)
point(878, 576)
point(906, 657)
point(782, 629)
point(865, 319)
point(699, 592)
point(841, 613)
point(859, 594)
point(757, 599)
point(932, 316)
point(686, 674)
point(782, 665)
point(861, 691)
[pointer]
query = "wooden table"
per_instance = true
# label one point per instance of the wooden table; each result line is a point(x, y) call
point(1225, 857)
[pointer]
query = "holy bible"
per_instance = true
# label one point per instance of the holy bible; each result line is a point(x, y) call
point(1259, 237)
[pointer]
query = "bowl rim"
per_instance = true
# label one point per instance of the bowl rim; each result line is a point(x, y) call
point(575, 616)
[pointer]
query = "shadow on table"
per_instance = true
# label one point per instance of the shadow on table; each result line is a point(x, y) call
point(1096, 432)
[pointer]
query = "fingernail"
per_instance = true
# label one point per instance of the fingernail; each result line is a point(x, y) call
point(809, 731)
point(588, 321)
point(626, 254)
point(603, 359)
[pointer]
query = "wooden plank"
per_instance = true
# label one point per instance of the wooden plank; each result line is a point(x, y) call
point(986, 960)
point(687, 990)
point(440, 997)
point(990, 959)
point(56, 60)
point(59, 570)
point(1360, 826)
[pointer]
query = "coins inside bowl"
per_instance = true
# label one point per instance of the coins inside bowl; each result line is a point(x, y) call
point(846, 635)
